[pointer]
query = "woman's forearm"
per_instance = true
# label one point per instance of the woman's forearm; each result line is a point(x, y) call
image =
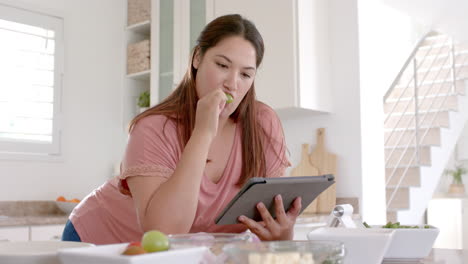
point(173, 205)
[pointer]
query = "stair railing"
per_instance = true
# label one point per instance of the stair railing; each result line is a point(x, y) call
point(451, 76)
point(408, 103)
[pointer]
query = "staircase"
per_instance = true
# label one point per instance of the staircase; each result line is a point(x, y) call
point(425, 112)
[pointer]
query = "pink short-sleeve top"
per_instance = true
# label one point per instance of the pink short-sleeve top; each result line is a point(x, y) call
point(108, 216)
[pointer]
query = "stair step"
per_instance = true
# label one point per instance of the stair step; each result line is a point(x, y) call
point(429, 119)
point(436, 88)
point(400, 200)
point(411, 176)
point(439, 49)
point(392, 216)
point(446, 103)
point(434, 39)
point(434, 54)
point(429, 136)
point(436, 73)
point(461, 57)
point(441, 73)
point(402, 156)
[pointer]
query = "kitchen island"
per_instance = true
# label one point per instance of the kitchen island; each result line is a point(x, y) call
point(440, 256)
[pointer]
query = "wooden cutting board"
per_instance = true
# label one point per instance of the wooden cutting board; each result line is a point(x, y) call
point(325, 162)
point(305, 168)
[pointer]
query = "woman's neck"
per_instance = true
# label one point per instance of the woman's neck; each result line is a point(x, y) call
point(224, 123)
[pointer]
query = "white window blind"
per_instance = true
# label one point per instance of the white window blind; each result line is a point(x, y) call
point(31, 63)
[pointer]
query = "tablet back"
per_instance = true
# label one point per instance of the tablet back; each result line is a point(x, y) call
point(265, 189)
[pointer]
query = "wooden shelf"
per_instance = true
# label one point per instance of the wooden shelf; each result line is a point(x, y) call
point(143, 76)
point(143, 28)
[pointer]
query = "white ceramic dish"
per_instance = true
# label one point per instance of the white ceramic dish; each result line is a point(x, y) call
point(363, 245)
point(410, 243)
point(35, 252)
point(66, 207)
point(111, 254)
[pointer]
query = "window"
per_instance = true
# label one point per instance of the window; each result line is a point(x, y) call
point(31, 69)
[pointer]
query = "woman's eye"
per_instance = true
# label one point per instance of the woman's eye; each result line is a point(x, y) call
point(221, 65)
point(245, 75)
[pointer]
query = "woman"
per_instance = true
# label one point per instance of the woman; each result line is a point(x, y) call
point(188, 156)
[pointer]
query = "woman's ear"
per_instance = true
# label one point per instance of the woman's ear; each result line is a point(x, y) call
point(196, 58)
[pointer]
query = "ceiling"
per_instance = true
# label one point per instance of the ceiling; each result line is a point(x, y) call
point(446, 16)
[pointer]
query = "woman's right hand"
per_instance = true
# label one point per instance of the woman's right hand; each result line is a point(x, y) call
point(209, 108)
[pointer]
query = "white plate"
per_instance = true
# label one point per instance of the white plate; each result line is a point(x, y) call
point(111, 254)
point(35, 252)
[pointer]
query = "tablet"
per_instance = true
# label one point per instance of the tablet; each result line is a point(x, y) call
point(265, 189)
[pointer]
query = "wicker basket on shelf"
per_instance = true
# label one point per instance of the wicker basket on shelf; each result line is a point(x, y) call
point(138, 11)
point(138, 57)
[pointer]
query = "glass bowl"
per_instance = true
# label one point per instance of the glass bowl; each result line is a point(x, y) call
point(304, 252)
point(214, 241)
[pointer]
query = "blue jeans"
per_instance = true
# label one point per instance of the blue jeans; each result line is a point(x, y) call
point(69, 233)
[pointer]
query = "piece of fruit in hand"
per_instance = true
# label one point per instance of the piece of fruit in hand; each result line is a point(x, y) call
point(154, 241)
point(229, 98)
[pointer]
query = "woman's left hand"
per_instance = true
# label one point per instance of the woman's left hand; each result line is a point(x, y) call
point(281, 228)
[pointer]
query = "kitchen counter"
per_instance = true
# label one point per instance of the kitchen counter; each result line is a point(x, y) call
point(32, 220)
point(440, 256)
point(30, 213)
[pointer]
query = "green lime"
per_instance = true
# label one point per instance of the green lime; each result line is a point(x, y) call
point(154, 241)
point(229, 98)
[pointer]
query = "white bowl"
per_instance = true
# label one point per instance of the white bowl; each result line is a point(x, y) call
point(410, 243)
point(35, 252)
point(66, 207)
point(112, 254)
point(363, 245)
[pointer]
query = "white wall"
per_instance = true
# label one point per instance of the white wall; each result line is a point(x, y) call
point(459, 157)
point(343, 130)
point(92, 93)
point(386, 39)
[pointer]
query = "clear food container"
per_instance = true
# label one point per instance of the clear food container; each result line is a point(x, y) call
point(214, 241)
point(291, 252)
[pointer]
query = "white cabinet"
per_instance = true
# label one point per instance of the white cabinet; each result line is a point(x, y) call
point(450, 215)
point(32, 233)
point(47, 232)
point(14, 233)
point(172, 31)
point(296, 73)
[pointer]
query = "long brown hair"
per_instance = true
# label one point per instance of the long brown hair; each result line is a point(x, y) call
point(180, 105)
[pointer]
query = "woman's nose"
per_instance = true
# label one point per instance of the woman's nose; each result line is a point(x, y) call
point(230, 81)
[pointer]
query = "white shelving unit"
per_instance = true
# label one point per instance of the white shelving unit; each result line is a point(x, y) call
point(141, 28)
point(172, 30)
point(135, 83)
point(143, 76)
